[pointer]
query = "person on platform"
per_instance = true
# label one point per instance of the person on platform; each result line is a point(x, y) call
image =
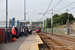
point(27, 31)
point(13, 32)
point(16, 32)
point(21, 31)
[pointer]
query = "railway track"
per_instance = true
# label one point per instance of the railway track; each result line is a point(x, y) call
point(64, 37)
point(53, 45)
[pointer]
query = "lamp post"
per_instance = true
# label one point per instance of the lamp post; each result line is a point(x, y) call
point(6, 21)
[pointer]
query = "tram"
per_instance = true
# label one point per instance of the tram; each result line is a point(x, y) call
point(38, 29)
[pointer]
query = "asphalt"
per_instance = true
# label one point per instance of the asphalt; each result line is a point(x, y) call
point(13, 45)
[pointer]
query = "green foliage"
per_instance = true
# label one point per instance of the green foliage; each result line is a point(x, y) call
point(71, 18)
point(63, 18)
point(48, 22)
point(56, 15)
point(72, 21)
point(60, 19)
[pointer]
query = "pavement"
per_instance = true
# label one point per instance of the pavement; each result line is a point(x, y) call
point(23, 43)
point(13, 45)
point(31, 43)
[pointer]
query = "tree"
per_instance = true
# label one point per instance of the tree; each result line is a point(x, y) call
point(60, 19)
point(48, 22)
point(71, 17)
point(63, 18)
point(55, 15)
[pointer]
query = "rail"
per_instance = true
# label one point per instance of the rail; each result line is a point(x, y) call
point(47, 44)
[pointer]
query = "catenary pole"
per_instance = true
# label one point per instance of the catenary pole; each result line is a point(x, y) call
point(46, 26)
point(52, 24)
point(43, 26)
point(67, 21)
point(24, 9)
point(6, 21)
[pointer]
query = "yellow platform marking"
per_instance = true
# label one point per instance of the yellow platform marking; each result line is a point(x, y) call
point(40, 38)
point(37, 47)
point(30, 42)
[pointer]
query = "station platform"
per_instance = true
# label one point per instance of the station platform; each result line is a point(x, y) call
point(72, 35)
point(23, 43)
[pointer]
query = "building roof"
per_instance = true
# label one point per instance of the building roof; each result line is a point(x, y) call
point(25, 22)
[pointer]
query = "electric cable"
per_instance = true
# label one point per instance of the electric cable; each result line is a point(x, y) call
point(55, 5)
point(72, 8)
point(65, 6)
point(49, 6)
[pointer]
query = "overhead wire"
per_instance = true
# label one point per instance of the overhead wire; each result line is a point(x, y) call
point(65, 6)
point(54, 6)
point(60, 8)
point(49, 6)
point(42, 16)
point(57, 4)
point(58, 11)
point(72, 8)
point(50, 9)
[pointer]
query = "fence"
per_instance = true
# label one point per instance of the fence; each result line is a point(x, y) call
point(2, 34)
point(62, 30)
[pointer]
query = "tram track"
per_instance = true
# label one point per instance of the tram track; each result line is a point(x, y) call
point(64, 37)
point(53, 45)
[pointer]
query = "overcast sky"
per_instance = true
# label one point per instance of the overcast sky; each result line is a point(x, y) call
point(33, 7)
